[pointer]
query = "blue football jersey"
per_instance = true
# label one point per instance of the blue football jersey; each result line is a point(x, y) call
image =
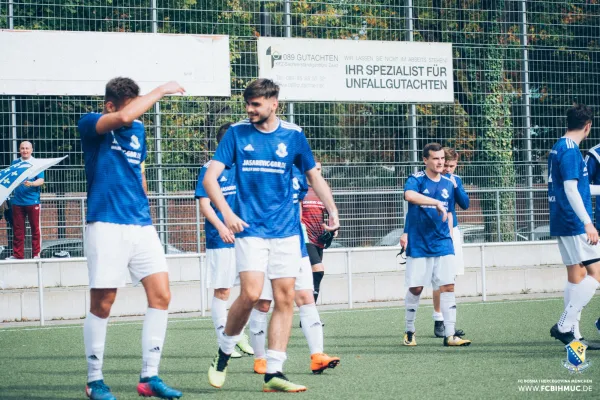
point(263, 164)
point(566, 163)
point(113, 171)
point(428, 235)
point(228, 188)
point(461, 198)
point(592, 162)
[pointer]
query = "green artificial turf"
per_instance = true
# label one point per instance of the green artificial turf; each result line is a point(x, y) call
point(511, 342)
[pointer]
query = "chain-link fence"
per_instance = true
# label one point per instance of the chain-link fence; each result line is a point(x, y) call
point(517, 66)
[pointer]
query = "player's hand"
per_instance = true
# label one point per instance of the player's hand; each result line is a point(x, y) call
point(28, 184)
point(172, 88)
point(334, 223)
point(404, 240)
point(226, 235)
point(442, 211)
point(234, 223)
point(453, 180)
point(592, 234)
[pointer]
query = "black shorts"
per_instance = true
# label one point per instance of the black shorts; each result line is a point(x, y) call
point(315, 254)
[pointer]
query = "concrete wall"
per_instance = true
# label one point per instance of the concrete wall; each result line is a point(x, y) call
point(377, 275)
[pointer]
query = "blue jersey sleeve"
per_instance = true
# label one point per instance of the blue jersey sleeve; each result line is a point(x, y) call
point(591, 162)
point(41, 175)
point(304, 159)
point(570, 164)
point(87, 125)
point(226, 150)
point(200, 192)
point(460, 195)
point(411, 184)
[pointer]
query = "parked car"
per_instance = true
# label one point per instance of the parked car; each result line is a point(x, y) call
point(69, 247)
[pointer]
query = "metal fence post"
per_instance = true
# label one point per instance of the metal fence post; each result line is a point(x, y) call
point(498, 215)
point(410, 33)
point(41, 291)
point(483, 284)
point(162, 227)
point(203, 299)
point(82, 209)
point(527, 115)
point(349, 272)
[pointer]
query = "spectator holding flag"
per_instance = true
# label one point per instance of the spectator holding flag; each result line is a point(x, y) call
point(25, 203)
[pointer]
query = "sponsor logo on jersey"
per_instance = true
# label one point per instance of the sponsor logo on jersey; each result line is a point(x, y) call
point(249, 147)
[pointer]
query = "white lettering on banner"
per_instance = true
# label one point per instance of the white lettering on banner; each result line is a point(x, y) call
point(363, 70)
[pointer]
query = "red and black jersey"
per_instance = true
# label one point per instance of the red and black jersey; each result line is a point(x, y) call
point(313, 214)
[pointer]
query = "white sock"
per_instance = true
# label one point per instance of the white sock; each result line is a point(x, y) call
point(448, 306)
point(580, 296)
point(218, 311)
point(569, 287)
point(153, 338)
point(411, 303)
point(258, 333)
point(438, 316)
point(312, 327)
point(94, 338)
point(228, 342)
point(275, 360)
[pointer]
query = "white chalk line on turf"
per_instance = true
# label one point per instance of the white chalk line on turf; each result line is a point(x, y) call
point(344, 310)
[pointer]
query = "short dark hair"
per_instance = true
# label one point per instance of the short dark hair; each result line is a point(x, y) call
point(222, 130)
point(261, 88)
point(120, 89)
point(578, 116)
point(429, 147)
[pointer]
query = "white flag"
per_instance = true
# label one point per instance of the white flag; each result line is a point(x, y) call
point(14, 175)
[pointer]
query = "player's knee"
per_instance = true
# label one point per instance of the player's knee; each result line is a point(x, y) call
point(304, 297)
point(263, 306)
point(447, 288)
point(160, 300)
point(251, 295)
point(222, 294)
point(416, 290)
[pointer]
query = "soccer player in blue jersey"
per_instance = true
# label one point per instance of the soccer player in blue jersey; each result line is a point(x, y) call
point(430, 250)
point(263, 150)
point(304, 299)
point(462, 199)
point(119, 233)
point(569, 196)
point(220, 251)
point(592, 162)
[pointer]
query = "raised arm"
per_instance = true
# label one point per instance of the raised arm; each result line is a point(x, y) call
point(136, 107)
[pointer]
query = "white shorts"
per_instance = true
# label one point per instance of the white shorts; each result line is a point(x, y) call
point(430, 271)
point(575, 249)
point(220, 268)
point(458, 251)
point(113, 250)
point(276, 258)
point(304, 281)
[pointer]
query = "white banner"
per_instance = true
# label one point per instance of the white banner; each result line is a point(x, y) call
point(358, 70)
point(17, 173)
point(80, 63)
